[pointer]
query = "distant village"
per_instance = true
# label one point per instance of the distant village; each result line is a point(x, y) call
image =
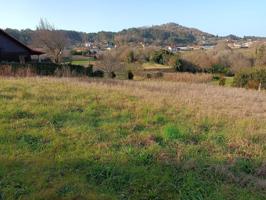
point(93, 49)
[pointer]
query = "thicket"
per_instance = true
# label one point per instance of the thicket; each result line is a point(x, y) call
point(253, 78)
point(45, 69)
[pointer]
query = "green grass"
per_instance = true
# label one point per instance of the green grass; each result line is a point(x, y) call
point(83, 62)
point(228, 81)
point(63, 140)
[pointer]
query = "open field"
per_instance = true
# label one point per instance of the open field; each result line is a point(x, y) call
point(102, 139)
point(155, 66)
point(229, 81)
point(84, 61)
point(188, 77)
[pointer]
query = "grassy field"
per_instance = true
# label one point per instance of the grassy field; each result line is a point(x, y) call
point(189, 77)
point(154, 66)
point(100, 139)
point(83, 61)
point(229, 81)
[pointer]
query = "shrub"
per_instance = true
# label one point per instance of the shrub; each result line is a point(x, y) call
point(175, 62)
point(251, 78)
point(216, 78)
point(112, 75)
point(131, 57)
point(222, 81)
point(161, 57)
point(130, 75)
point(98, 73)
point(149, 75)
point(187, 66)
point(89, 71)
point(219, 69)
point(253, 84)
point(45, 69)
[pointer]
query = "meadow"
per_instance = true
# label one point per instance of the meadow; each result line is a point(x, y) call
point(102, 139)
point(83, 61)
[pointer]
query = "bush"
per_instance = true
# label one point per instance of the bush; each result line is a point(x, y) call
point(149, 75)
point(111, 75)
point(98, 73)
point(175, 62)
point(45, 69)
point(186, 66)
point(222, 81)
point(216, 78)
point(161, 57)
point(252, 84)
point(219, 69)
point(130, 75)
point(89, 71)
point(251, 78)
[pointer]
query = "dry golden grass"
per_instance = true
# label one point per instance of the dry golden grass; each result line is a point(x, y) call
point(188, 77)
point(209, 99)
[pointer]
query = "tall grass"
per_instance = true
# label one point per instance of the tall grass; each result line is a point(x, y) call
point(188, 77)
point(100, 139)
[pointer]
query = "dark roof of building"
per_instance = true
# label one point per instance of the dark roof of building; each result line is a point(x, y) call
point(32, 51)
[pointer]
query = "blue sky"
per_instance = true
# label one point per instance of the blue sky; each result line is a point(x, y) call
point(220, 17)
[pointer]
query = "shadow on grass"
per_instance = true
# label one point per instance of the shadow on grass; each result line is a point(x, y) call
point(71, 180)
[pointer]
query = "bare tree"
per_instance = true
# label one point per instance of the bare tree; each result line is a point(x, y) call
point(109, 62)
point(54, 41)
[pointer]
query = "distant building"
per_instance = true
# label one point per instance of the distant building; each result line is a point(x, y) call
point(184, 48)
point(11, 50)
point(87, 44)
point(207, 47)
point(170, 49)
point(247, 44)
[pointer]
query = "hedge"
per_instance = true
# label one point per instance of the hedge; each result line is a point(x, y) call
point(44, 69)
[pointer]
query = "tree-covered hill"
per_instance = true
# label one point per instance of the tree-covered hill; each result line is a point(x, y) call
point(166, 34)
point(171, 34)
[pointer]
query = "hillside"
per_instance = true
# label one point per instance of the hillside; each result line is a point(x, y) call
point(103, 139)
point(166, 34)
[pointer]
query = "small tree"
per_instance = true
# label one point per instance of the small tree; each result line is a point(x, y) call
point(161, 56)
point(131, 57)
point(251, 78)
point(109, 63)
point(54, 41)
point(175, 62)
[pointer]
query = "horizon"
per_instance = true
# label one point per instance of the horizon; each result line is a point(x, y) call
point(240, 18)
